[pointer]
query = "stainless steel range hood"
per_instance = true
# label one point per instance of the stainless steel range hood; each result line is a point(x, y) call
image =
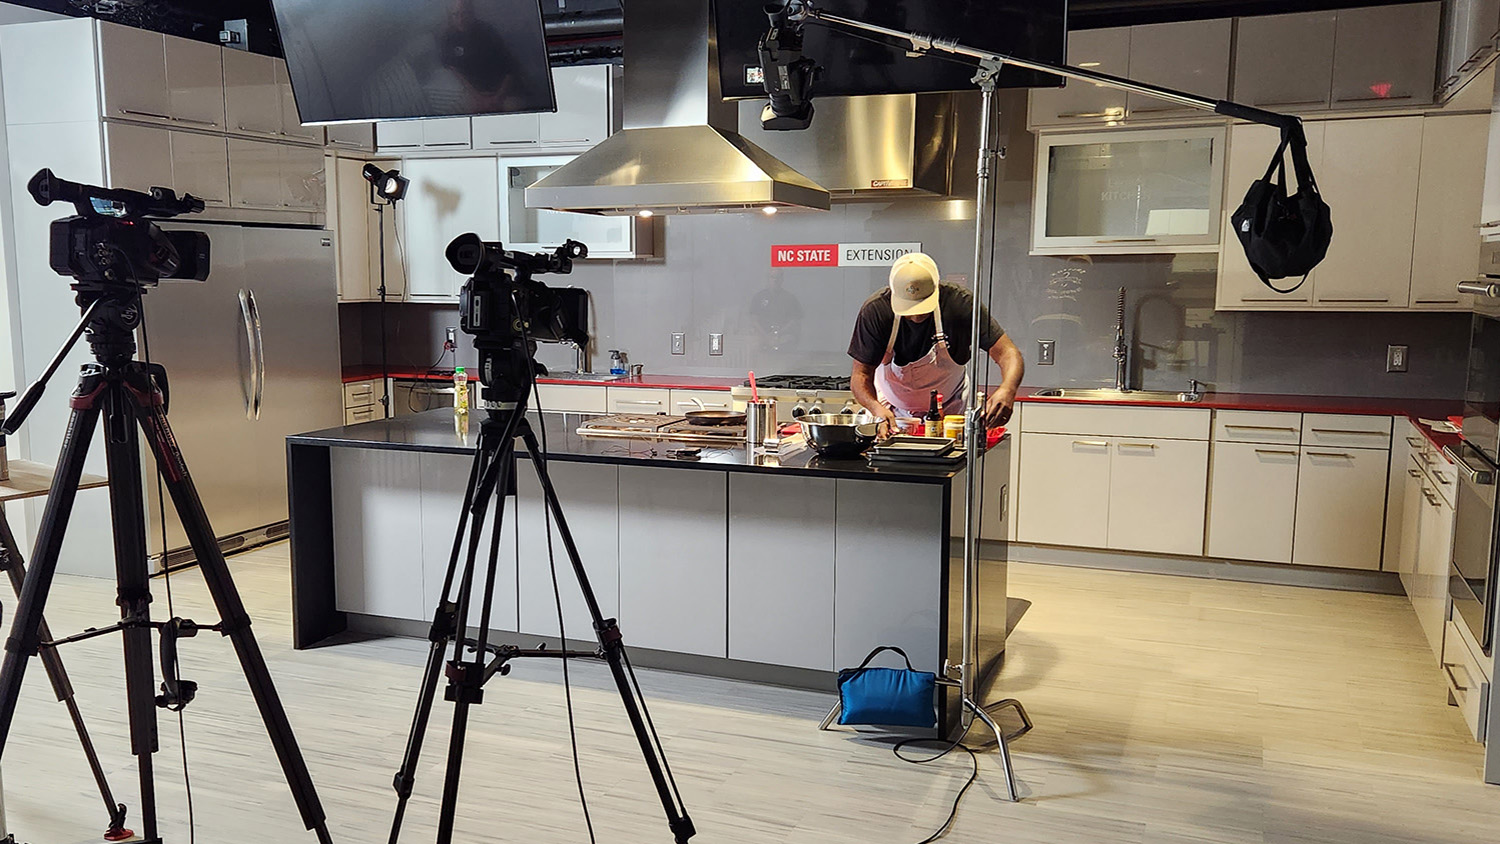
point(679, 151)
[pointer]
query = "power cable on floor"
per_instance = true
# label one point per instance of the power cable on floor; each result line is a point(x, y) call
point(957, 744)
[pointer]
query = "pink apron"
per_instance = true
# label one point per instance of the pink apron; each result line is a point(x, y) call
point(908, 389)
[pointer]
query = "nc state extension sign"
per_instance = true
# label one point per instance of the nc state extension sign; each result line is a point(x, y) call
point(840, 254)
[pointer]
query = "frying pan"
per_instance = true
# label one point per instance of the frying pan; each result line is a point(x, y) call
point(715, 417)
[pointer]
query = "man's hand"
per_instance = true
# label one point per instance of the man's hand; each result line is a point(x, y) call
point(998, 407)
point(885, 423)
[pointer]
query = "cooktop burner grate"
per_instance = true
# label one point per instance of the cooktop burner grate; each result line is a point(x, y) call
point(825, 383)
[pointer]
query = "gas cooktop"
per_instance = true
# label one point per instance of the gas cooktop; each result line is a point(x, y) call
point(821, 383)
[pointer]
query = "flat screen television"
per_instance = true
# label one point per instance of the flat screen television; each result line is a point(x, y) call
point(358, 60)
point(856, 65)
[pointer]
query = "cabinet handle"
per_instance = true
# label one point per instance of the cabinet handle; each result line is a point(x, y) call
point(1448, 669)
point(703, 405)
point(448, 144)
point(1159, 109)
point(1435, 302)
point(1415, 473)
point(510, 143)
point(191, 122)
point(263, 132)
point(642, 402)
point(130, 112)
point(1127, 240)
point(1492, 224)
point(1343, 454)
point(1275, 451)
point(1442, 479)
point(1078, 114)
point(1092, 443)
point(1347, 431)
point(1272, 299)
point(1414, 442)
point(1260, 428)
point(351, 144)
point(1292, 103)
point(1372, 99)
point(1137, 445)
point(565, 141)
point(1356, 301)
point(1431, 498)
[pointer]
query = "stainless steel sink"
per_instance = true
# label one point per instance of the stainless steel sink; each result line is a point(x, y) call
point(1106, 394)
point(601, 377)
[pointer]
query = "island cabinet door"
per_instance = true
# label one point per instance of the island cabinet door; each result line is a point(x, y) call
point(377, 532)
point(1252, 502)
point(674, 562)
point(444, 477)
point(891, 545)
point(1064, 490)
point(781, 559)
point(590, 496)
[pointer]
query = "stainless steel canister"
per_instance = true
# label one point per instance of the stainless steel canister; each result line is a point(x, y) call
point(760, 423)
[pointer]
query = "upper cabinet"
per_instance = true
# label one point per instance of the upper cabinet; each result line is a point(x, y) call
point(1471, 33)
point(1191, 56)
point(351, 137)
point(1101, 50)
point(447, 197)
point(1386, 55)
point(1285, 62)
point(539, 230)
point(291, 120)
point(133, 74)
point(258, 99)
point(1489, 215)
point(195, 84)
point(437, 134)
point(1448, 202)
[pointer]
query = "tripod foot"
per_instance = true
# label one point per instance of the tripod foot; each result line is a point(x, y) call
point(117, 830)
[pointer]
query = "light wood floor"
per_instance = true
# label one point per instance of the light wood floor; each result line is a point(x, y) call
point(1167, 709)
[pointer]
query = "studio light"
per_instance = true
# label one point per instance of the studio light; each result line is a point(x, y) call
point(389, 185)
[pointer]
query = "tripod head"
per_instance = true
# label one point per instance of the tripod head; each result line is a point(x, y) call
point(508, 312)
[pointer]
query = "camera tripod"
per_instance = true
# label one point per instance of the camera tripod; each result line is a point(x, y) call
point(131, 398)
point(475, 660)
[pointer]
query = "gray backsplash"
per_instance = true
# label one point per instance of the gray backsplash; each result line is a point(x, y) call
point(716, 278)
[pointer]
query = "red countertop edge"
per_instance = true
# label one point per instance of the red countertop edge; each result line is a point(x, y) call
point(352, 374)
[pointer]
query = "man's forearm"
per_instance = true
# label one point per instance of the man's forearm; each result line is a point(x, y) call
point(862, 384)
point(1012, 365)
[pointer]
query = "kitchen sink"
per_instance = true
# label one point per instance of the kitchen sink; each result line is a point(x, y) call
point(1106, 394)
point(601, 377)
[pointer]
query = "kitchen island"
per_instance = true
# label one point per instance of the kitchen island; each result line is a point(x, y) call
point(763, 566)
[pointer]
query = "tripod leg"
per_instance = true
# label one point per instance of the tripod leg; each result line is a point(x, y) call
point(133, 580)
point(147, 403)
point(613, 646)
point(25, 635)
point(443, 628)
point(62, 687)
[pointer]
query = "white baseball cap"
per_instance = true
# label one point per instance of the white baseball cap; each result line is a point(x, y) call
point(914, 284)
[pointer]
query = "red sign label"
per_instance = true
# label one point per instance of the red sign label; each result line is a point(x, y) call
point(805, 255)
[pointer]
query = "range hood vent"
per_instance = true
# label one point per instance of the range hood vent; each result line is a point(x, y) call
point(680, 151)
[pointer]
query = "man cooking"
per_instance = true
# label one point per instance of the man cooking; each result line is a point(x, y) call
point(913, 337)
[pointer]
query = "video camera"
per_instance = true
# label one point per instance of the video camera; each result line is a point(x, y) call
point(111, 241)
point(508, 312)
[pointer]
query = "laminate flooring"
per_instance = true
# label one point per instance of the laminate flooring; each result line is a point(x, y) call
point(1167, 710)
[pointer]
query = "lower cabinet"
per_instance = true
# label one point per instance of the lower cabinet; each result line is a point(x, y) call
point(590, 496)
point(377, 532)
point(1064, 490)
point(674, 530)
point(781, 570)
point(1253, 501)
point(1340, 507)
point(1157, 495)
point(1428, 583)
point(444, 477)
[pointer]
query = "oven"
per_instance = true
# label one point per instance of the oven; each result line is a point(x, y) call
point(1471, 583)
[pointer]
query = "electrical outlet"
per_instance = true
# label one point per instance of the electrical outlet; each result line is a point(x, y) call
point(1046, 352)
point(716, 344)
point(452, 336)
point(1395, 359)
point(679, 343)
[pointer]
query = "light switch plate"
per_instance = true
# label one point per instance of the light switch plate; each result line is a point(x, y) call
point(716, 344)
point(1395, 358)
point(1046, 352)
point(679, 343)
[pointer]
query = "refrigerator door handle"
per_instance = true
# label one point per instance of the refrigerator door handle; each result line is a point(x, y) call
point(260, 355)
point(253, 338)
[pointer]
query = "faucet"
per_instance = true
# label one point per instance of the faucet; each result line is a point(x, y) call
point(580, 357)
point(1122, 348)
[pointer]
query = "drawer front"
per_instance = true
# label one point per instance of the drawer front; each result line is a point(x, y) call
point(1336, 429)
point(639, 400)
point(1466, 681)
point(1256, 426)
point(1168, 423)
point(361, 393)
point(368, 413)
point(1444, 474)
point(571, 398)
point(684, 401)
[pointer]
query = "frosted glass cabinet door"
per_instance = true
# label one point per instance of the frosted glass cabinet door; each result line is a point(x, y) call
point(1152, 191)
point(534, 229)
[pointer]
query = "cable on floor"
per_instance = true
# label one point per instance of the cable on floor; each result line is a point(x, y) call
point(957, 744)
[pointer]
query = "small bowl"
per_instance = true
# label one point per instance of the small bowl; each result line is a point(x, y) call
point(839, 436)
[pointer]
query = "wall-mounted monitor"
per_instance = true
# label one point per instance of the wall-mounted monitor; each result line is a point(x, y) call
point(358, 60)
point(861, 64)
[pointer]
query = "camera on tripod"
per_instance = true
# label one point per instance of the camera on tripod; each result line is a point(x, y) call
point(508, 312)
point(112, 241)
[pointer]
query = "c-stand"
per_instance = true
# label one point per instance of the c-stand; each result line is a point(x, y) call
point(507, 312)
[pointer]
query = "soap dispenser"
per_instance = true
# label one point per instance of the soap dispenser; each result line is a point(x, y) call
point(616, 362)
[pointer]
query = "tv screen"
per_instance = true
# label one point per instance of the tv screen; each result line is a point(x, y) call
point(856, 65)
point(357, 60)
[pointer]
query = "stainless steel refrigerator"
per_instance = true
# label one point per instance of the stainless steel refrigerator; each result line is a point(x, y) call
point(252, 355)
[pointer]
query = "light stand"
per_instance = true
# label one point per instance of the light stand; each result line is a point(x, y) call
point(799, 12)
point(387, 187)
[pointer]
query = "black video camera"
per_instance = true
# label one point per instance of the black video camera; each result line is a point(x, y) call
point(111, 241)
point(508, 312)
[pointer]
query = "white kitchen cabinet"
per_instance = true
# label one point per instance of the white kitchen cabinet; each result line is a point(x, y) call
point(1386, 55)
point(644, 400)
point(1157, 190)
point(252, 94)
point(355, 221)
point(133, 74)
point(291, 119)
point(1252, 504)
point(541, 230)
point(1489, 215)
point(1101, 50)
point(1250, 149)
point(1321, 430)
point(1191, 56)
point(351, 137)
point(674, 529)
point(590, 496)
point(137, 157)
point(200, 166)
point(255, 175)
point(587, 112)
point(1413, 503)
point(1367, 178)
point(1065, 490)
point(782, 548)
point(1467, 671)
point(1340, 507)
point(1285, 62)
point(1449, 200)
point(1157, 493)
point(572, 398)
point(303, 185)
point(195, 84)
point(443, 481)
point(447, 197)
point(378, 532)
point(1434, 561)
point(504, 133)
point(684, 401)
point(437, 134)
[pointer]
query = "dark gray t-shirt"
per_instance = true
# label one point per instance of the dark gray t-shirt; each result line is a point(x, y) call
point(872, 329)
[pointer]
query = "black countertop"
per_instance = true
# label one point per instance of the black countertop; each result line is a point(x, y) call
point(436, 431)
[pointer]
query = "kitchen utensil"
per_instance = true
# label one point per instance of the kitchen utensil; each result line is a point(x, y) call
point(754, 391)
point(935, 446)
point(839, 435)
point(715, 417)
point(760, 423)
point(956, 457)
